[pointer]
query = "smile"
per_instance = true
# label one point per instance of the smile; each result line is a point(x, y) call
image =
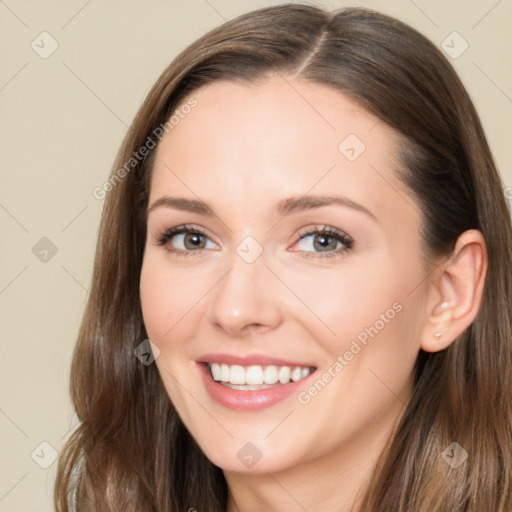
point(252, 383)
point(256, 377)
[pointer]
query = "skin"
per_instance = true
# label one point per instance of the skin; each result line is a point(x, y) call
point(241, 150)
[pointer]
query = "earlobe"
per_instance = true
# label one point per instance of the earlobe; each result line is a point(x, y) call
point(457, 288)
point(437, 334)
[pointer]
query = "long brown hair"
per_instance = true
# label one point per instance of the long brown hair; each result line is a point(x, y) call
point(132, 452)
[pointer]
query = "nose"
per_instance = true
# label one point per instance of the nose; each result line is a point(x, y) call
point(246, 299)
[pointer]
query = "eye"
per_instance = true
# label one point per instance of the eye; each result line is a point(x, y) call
point(323, 242)
point(320, 242)
point(185, 240)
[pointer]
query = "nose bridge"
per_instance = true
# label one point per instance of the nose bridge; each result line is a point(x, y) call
point(244, 296)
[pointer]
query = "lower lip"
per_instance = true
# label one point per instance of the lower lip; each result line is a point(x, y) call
point(245, 400)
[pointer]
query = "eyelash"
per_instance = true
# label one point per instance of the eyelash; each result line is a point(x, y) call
point(329, 231)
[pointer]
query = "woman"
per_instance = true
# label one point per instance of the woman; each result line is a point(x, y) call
point(306, 221)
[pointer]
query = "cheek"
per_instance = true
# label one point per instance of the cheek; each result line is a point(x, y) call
point(369, 355)
point(154, 297)
point(168, 298)
point(366, 302)
point(341, 301)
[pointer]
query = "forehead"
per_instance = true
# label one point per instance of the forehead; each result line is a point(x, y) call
point(256, 143)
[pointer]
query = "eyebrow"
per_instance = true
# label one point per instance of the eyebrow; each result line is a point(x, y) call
point(284, 207)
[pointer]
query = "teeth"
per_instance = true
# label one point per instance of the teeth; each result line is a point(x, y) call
point(216, 371)
point(296, 374)
point(237, 374)
point(271, 375)
point(224, 375)
point(255, 376)
point(284, 374)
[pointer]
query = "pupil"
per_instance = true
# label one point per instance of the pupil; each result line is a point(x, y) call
point(195, 239)
point(323, 242)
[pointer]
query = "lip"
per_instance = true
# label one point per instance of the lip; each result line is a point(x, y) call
point(245, 400)
point(254, 359)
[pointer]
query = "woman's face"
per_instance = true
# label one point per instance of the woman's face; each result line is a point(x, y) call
point(300, 249)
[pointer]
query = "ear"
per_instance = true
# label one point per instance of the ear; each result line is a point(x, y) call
point(456, 289)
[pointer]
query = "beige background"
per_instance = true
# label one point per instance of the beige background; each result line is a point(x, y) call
point(63, 119)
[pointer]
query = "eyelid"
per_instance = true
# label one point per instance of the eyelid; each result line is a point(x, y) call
point(328, 230)
point(165, 235)
point(324, 229)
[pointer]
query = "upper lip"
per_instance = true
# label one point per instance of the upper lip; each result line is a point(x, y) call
point(250, 360)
